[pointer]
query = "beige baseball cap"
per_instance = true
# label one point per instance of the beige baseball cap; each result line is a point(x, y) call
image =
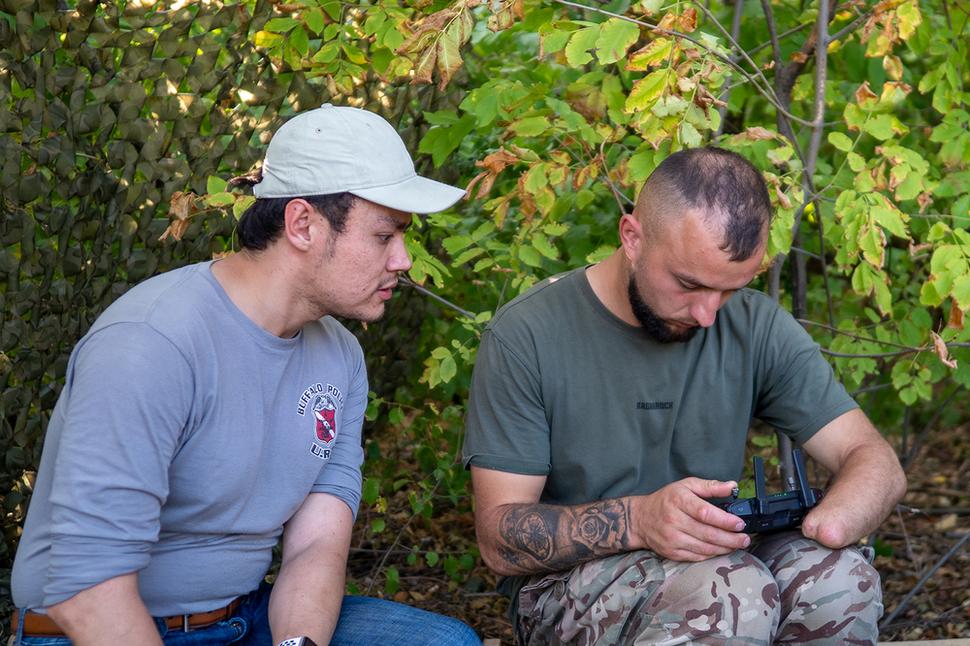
point(338, 149)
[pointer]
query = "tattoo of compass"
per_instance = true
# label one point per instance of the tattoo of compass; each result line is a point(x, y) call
point(530, 533)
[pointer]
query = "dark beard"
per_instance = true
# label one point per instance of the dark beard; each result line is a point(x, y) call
point(653, 325)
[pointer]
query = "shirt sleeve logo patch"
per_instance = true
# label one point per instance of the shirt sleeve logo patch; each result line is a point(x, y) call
point(323, 402)
point(324, 412)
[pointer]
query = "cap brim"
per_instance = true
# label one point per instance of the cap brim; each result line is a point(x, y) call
point(414, 195)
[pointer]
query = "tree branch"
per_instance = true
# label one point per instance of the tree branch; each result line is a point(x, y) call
point(765, 92)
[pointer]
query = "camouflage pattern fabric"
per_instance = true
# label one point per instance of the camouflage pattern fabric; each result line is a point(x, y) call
point(785, 589)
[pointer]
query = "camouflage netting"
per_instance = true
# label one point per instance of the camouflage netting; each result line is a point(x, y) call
point(106, 110)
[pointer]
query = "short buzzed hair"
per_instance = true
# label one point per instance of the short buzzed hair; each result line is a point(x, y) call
point(725, 187)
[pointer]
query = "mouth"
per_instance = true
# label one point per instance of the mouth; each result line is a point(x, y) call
point(386, 291)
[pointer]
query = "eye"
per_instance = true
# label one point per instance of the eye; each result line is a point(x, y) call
point(385, 237)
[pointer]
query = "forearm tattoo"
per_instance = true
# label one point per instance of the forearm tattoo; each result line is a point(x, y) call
point(535, 537)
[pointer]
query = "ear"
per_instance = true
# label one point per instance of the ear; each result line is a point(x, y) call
point(631, 236)
point(301, 224)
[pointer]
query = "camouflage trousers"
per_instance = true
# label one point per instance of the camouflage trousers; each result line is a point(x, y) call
point(784, 589)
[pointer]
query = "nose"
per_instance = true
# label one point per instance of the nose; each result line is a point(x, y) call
point(400, 259)
point(705, 307)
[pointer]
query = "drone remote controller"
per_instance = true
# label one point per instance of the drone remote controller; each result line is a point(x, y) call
point(778, 511)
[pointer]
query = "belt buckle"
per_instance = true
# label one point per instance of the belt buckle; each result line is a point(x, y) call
point(185, 624)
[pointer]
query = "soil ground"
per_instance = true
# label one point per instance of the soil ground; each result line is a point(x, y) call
point(933, 519)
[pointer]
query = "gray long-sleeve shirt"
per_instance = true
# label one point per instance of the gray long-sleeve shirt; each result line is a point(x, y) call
point(185, 437)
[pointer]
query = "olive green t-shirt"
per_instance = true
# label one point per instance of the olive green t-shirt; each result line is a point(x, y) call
point(563, 388)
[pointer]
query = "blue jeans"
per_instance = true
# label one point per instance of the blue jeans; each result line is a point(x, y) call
point(363, 620)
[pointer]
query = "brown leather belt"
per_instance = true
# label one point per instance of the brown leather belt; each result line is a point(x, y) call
point(37, 625)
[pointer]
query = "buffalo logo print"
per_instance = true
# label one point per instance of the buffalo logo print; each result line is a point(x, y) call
point(325, 416)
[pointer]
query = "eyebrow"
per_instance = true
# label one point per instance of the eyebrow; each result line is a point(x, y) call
point(687, 279)
point(396, 222)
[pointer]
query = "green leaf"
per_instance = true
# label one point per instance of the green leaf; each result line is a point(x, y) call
point(601, 253)
point(553, 40)
point(431, 558)
point(840, 141)
point(582, 40)
point(546, 248)
point(447, 368)
point(314, 20)
point(646, 91)
point(961, 291)
point(220, 199)
point(616, 36)
point(215, 184)
point(392, 581)
point(530, 256)
point(333, 8)
point(891, 219)
point(371, 490)
point(856, 162)
point(884, 299)
point(884, 126)
point(642, 163)
point(280, 25)
point(242, 203)
point(530, 126)
point(441, 141)
point(299, 41)
point(689, 135)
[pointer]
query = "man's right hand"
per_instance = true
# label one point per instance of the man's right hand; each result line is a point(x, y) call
point(677, 522)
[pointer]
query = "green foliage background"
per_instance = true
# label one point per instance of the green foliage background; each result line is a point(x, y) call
point(122, 121)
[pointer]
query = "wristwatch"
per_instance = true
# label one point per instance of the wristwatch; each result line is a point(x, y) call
point(297, 641)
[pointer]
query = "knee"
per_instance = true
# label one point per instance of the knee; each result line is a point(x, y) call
point(820, 575)
point(745, 583)
point(732, 595)
point(829, 596)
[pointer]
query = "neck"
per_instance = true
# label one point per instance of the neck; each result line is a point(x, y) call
point(609, 280)
point(261, 285)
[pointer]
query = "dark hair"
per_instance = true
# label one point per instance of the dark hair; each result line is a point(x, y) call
point(726, 187)
point(262, 222)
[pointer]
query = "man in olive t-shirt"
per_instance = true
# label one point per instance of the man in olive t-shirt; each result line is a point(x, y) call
point(610, 403)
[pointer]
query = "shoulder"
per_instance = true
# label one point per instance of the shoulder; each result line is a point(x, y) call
point(162, 301)
point(549, 298)
point(329, 332)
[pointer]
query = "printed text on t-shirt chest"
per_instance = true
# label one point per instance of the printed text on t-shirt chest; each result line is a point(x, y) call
point(655, 405)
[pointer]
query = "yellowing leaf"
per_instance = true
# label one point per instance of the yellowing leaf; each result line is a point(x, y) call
point(893, 67)
point(646, 90)
point(615, 37)
point(909, 18)
point(654, 53)
point(449, 58)
point(961, 291)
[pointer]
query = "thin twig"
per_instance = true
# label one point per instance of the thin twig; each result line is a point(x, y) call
point(726, 92)
point(852, 26)
point(926, 577)
point(407, 282)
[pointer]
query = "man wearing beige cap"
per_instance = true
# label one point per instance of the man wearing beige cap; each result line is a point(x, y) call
point(216, 408)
